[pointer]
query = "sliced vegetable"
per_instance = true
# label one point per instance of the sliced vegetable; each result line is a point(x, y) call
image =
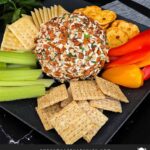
point(141, 41)
point(146, 72)
point(45, 82)
point(3, 65)
point(15, 66)
point(129, 76)
point(144, 63)
point(17, 75)
point(17, 93)
point(25, 58)
point(131, 58)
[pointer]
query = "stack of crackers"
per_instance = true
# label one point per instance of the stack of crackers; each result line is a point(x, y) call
point(118, 31)
point(20, 35)
point(44, 14)
point(77, 112)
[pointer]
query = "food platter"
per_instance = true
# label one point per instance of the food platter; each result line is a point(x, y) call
point(25, 110)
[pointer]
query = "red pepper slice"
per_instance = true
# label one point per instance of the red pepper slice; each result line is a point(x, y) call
point(146, 71)
point(141, 41)
point(131, 58)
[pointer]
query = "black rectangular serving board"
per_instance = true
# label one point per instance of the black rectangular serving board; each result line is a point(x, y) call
point(24, 110)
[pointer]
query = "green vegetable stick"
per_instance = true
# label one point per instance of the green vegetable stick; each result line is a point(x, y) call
point(3, 65)
point(17, 93)
point(15, 66)
point(45, 82)
point(24, 58)
point(19, 75)
point(22, 68)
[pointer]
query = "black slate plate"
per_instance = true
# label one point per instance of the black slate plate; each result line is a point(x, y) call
point(24, 109)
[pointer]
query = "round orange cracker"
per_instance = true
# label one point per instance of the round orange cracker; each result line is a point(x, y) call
point(106, 17)
point(116, 37)
point(130, 28)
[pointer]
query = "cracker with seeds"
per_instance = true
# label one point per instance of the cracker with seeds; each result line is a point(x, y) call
point(10, 41)
point(46, 114)
point(25, 31)
point(107, 104)
point(55, 95)
point(68, 100)
point(71, 123)
point(85, 90)
point(98, 119)
point(110, 89)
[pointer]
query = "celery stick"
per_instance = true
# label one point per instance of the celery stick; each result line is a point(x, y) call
point(15, 66)
point(17, 75)
point(22, 68)
point(17, 93)
point(45, 82)
point(25, 58)
point(3, 65)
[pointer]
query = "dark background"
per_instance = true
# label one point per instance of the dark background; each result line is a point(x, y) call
point(135, 131)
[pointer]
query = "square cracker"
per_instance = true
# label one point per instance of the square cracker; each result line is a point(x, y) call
point(85, 90)
point(45, 12)
point(71, 123)
point(38, 16)
point(52, 11)
point(68, 100)
point(46, 114)
point(110, 89)
point(55, 10)
point(54, 95)
point(35, 20)
point(10, 41)
point(41, 14)
point(25, 31)
point(98, 119)
point(107, 104)
point(49, 13)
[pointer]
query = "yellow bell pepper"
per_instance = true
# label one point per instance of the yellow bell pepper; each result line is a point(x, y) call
point(128, 75)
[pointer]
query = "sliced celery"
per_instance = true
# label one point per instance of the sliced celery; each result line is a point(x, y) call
point(25, 58)
point(15, 66)
point(3, 65)
point(17, 93)
point(45, 82)
point(21, 68)
point(17, 75)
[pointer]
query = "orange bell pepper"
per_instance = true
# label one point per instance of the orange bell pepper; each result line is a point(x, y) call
point(129, 76)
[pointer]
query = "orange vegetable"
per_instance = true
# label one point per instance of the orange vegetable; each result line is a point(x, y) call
point(129, 76)
point(144, 63)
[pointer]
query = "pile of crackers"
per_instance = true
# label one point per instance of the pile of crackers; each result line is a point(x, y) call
point(20, 35)
point(43, 15)
point(118, 31)
point(77, 112)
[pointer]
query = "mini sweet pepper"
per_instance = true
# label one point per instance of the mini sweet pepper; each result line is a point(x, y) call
point(129, 76)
